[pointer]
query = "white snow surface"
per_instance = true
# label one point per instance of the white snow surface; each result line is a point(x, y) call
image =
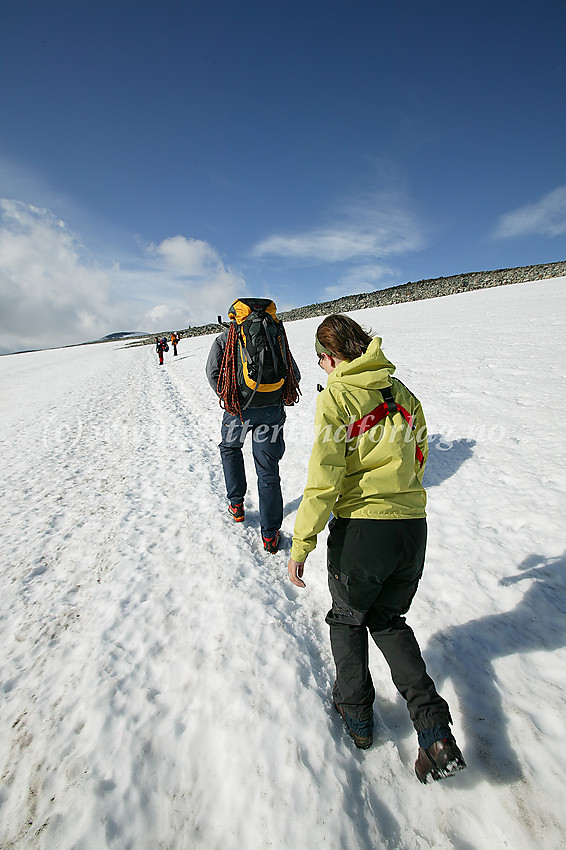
point(163, 685)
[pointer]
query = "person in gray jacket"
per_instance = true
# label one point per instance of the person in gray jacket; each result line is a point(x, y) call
point(268, 446)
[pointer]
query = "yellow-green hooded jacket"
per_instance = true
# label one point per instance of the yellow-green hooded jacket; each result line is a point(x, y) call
point(375, 475)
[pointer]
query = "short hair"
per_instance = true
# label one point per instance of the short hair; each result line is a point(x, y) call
point(343, 336)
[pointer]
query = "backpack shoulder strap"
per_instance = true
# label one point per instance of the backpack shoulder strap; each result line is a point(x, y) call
point(388, 408)
point(392, 406)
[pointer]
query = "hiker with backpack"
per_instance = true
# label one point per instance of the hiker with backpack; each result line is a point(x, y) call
point(160, 348)
point(251, 369)
point(366, 468)
point(175, 337)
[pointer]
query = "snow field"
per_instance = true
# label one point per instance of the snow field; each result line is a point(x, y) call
point(164, 685)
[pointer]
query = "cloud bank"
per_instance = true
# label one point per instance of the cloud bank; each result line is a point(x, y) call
point(52, 293)
point(546, 217)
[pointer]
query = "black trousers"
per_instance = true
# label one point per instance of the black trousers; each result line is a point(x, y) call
point(374, 568)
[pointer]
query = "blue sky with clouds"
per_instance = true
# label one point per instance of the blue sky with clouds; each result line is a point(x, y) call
point(158, 159)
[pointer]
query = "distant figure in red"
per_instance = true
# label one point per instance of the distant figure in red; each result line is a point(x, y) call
point(175, 337)
point(160, 348)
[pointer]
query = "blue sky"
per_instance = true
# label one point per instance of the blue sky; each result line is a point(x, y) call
point(158, 159)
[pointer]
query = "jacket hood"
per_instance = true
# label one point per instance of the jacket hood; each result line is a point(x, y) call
point(370, 371)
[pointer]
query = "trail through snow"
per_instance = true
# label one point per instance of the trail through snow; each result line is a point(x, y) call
point(164, 685)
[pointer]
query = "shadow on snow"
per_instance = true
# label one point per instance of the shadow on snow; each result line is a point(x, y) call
point(537, 623)
point(445, 458)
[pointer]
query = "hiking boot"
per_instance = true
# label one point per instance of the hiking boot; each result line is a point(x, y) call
point(237, 512)
point(360, 731)
point(440, 760)
point(271, 544)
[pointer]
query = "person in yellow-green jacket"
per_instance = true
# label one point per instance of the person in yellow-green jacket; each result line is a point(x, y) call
point(366, 469)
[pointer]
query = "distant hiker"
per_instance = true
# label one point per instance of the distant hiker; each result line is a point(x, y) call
point(160, 349)
point(174, 342)
point(251, 369)
point(366, 467)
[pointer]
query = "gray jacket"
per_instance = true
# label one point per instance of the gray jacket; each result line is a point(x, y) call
point(214, 361)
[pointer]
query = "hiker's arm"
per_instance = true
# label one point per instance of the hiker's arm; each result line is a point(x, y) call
point(421, 439)
point(325, 474)
point(214, 360)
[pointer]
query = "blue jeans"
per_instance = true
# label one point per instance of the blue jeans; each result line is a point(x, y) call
point(268, 447)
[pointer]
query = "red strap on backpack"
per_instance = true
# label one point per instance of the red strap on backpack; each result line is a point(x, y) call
point(389, 406)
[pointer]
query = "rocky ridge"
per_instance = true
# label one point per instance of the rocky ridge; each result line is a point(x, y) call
point(432, 288)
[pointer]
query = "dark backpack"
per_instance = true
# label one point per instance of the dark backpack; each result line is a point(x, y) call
point(261, 361)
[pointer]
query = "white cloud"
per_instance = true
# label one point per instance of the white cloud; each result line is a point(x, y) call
point(52, 293)
point(197, 273)
point(164, 316)
point(192, 257)
point(45, 288)
point(375, 227)
point(546, 217)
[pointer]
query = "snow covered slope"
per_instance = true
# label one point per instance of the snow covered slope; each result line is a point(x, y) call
point(162, 682)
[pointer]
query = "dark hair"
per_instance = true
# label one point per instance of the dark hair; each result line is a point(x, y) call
point(343, 337)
